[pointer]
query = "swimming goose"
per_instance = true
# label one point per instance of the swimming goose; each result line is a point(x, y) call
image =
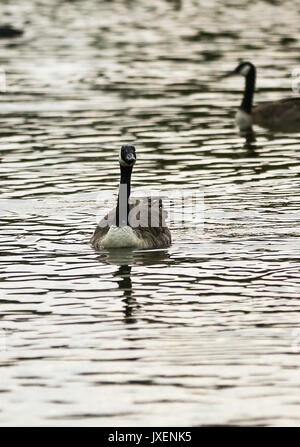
point(282, 115)
point(7, 31)
point(136, 224)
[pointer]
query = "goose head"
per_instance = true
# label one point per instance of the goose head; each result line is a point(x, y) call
point(127, 156)
point(243, 69)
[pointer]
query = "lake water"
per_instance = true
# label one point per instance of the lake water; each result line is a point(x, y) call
point(206, 332)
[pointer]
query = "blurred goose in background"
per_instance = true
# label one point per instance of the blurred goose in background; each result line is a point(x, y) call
point(138, 225)
point(281, 116)
point(7, 31)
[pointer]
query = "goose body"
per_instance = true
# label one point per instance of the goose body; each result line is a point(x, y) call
point(132, 223)
point(281, 116)
point(117, 237)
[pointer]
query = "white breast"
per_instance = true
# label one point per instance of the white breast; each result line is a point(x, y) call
point(243, 120)
point(121, 237)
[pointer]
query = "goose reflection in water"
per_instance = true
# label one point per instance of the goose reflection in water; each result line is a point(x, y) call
point(126, 260)
point(123, 275)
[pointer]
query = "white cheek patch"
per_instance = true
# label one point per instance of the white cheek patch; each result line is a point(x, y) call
point(121, 161)
point(245, 70)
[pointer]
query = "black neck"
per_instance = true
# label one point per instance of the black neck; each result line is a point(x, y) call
point(122, 210)
point(246, 105)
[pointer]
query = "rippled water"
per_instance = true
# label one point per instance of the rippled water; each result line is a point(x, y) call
point(205, 332)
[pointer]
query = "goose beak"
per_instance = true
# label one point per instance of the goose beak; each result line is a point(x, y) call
point(130, 159)
point(229, 74)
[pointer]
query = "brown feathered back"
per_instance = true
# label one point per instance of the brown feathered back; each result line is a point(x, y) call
point(280, 116)
point(147, 218)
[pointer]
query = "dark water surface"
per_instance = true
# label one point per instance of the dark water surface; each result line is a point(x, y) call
point(206, 332)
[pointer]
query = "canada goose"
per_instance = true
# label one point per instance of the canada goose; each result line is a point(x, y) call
point(7, 31)
point(139, 224)
point(281, 116)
